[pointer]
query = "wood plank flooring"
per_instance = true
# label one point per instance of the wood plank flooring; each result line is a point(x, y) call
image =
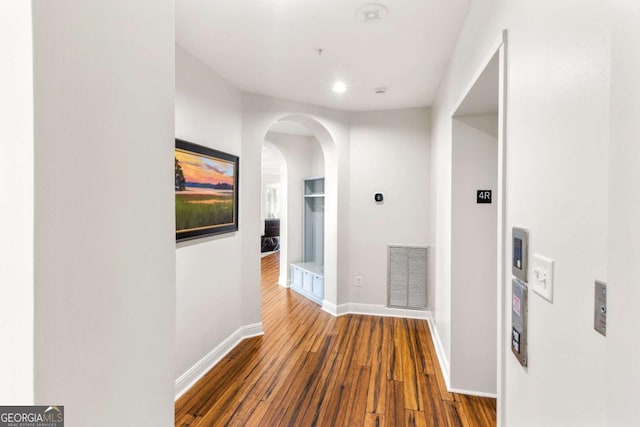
point(311, 369)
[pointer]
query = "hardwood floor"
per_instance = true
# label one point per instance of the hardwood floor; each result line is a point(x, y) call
point(311, 369)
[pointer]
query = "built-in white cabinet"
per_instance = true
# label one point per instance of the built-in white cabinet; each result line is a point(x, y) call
point(308, 280)
point(307, 276)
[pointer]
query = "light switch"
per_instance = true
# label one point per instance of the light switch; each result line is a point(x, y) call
point(542, 277)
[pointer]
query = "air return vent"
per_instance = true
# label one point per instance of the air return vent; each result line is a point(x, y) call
point(407, 276)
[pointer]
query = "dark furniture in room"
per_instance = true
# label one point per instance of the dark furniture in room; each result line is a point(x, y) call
point(271, 238)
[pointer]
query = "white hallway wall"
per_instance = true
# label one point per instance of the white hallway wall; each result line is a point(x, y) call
point(389, 155)
point(317, 159)
point(474, 255)
point(623, 316)
point(104, 221)
point(208, 112)
point(16, 200)
point(557, 134)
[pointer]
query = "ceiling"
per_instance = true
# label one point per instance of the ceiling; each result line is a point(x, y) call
point(270, 47)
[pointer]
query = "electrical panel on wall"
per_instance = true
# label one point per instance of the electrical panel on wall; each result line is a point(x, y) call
point(519, 304)
point(519, 294)
point(600, 308)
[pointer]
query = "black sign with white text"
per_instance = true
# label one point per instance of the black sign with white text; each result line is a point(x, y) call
point(484, 196)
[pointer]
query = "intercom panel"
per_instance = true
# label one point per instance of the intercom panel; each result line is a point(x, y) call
point(520, 253)
point(519, 297)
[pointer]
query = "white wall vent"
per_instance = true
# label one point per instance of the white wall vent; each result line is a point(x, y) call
point(407, 276)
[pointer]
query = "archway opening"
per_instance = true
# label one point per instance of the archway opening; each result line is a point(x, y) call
point(273, 200)
point(308, 207)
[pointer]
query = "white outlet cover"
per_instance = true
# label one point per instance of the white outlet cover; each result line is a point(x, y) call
point(541, 277)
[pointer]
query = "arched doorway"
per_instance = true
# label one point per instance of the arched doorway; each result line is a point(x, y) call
point(307, 127)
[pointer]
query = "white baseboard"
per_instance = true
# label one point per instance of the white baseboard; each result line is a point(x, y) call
point(472, 393)
point(283, 283)
point(373, 310)
point(444, 365)
point(204, 365)
point(437, 343)
point(250, 331)
point(381, 310)
point(330, 308)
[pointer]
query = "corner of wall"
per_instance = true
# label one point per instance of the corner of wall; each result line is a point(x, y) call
point(204, 365)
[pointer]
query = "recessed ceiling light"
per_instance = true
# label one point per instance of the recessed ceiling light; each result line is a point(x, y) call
point(339, 87)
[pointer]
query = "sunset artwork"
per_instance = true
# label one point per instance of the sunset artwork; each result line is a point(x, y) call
point(206, 191)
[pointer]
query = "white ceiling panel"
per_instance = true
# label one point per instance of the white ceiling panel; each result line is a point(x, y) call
point(270, 47)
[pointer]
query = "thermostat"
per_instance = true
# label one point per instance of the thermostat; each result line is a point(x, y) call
point(378, 197)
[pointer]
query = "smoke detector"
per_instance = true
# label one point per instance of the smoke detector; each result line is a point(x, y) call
point(371, 12)
point(380, 90)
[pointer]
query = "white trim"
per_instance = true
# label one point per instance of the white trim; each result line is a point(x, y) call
point(471, 393)
point(440, 353)
point(250, 331)
point(204, 365)
point(444, 365)
point(500, 47)
point(285, 284)
point(382, 311)
point(502, 232)
point(330, 308)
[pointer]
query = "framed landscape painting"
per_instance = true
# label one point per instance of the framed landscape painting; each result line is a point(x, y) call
point(206, 184)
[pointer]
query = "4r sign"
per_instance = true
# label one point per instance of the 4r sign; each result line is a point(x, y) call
point(483, 196)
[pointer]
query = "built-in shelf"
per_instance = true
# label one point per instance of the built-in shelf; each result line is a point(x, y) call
point(307, 276)
point(311, 267)
point(314, 186)
point(307, 279)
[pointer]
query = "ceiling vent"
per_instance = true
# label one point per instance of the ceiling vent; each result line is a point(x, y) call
point(371, 12)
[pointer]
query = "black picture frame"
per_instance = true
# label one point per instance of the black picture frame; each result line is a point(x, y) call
point(206, 186)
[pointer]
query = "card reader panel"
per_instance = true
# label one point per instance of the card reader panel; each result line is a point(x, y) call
point(520, 253)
